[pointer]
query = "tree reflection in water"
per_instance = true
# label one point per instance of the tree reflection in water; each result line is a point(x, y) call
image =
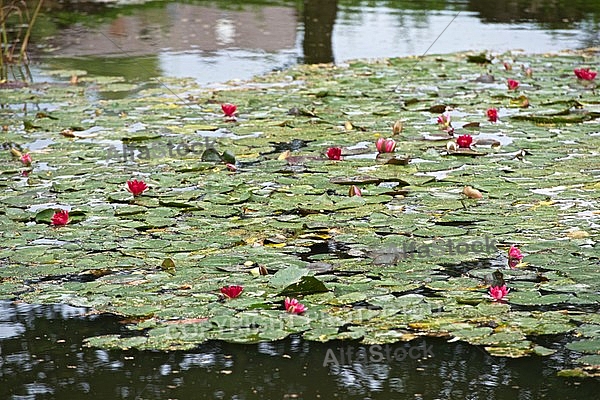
point(42, 357)
point(319, 18)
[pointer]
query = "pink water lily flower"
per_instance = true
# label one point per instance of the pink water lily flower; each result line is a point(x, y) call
point(585, 74)
point(512, 84)
point(293, 306)
point(445, 123)
point(26, 159)
point(60, 218)
point(515, 253)
point(385, 145)
point(498, 292)
point(444, 119)
point(334, 153)
point(232, 291)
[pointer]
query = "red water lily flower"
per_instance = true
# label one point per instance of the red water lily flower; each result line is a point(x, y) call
point(60, 218)
point(492, 114)
point(498, 292)
point(136, 187)
point(354, 191)
point(232, 291)
point(507, 66)
point(385, 145)
point(229, 109)
point(26, 159)
point(585, 74)
point(512, 84)
point(464, 141)
point(334, 153)
point(293, 306)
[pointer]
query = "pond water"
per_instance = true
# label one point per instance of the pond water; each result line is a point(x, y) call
point(212, 42)
point(42, 354)
point(42, 357)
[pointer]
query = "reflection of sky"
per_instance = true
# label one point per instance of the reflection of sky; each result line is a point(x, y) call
point(223, 65)
point(383, 32)
point(359, 32)
point(374, 33)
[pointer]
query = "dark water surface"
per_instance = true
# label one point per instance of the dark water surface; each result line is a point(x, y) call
point(42, 357)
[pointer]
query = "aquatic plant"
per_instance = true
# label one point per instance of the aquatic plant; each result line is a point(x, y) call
point(232, 291)
point(498, 292)
point(229, 110)
point(334, 153)
point(136, 187)
point(464, 141)
point(585, 74)
point(16, 25)
point(492, 114)
point(385, 145)
point(512, 84)
point(60, 218)
point(293, 306)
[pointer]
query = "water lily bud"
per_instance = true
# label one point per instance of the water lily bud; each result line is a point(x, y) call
point(397, 128)
point(354, 191)
point(16, 152)
point(229, 109)
point(492, 114)
point(385, 145)
point(231, 167)
point(26, 159)
point(451, 146)
point(472, 193)
point(512, 84)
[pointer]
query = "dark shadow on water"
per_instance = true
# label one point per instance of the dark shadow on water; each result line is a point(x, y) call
point(42, 357)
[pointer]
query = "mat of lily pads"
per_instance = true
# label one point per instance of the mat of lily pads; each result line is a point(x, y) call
point(411, 257)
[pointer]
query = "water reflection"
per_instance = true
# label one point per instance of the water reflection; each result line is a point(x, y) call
point(319, 18)
point(216, 42)
point(42, 357)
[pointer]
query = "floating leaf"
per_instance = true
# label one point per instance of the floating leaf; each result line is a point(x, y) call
point(307, 285)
